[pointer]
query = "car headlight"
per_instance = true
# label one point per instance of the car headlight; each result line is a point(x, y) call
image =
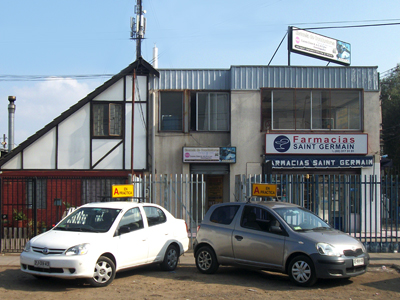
point(81, 249)
point(327, 249)
point(27, 247)
point(363, 248)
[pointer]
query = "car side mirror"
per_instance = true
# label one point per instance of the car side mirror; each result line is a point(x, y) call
point(275, 229)
point(124, 229)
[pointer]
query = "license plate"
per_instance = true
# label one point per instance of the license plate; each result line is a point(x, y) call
point(42, 264)
point(358, 261)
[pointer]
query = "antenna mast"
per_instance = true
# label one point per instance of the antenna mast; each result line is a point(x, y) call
point(138, 27)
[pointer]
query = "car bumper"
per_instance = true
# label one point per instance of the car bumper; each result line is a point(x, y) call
point(338, 267)
point(60, 266)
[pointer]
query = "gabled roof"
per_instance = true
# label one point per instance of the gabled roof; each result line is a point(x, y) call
point(141, 66)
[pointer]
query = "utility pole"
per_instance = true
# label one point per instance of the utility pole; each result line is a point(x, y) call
point(138, 27)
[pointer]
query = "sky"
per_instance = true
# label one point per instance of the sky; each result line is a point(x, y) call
point(50, 50)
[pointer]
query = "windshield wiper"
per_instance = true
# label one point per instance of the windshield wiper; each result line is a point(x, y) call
point(321, 228)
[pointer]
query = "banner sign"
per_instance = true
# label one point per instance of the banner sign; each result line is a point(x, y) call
point(311, 44)
point(210, 155)
point(346, 143)
point(305, 162)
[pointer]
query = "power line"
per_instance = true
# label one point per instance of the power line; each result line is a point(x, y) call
point(352, 26)
point(343, 22)
point(52, 77)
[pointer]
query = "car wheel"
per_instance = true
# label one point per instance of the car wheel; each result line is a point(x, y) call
point(301, 271)
point(170, 259)
point(104, 272)
point(206, 260)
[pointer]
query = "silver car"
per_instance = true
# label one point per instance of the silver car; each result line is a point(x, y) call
point(276, 236)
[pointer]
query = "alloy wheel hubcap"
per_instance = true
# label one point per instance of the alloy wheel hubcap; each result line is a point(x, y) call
point(301, 271)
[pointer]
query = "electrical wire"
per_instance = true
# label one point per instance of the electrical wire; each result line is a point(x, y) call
point(52, 77)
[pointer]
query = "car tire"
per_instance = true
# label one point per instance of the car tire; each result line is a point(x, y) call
point(302, 271)
point(206, 260)
point(171, 258)
point(104, 272)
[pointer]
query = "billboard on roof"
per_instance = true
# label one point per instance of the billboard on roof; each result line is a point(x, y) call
point(318, 46)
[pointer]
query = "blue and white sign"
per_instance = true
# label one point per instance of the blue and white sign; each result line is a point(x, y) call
point(346, 143)
point(209, 155)
point(309, 162)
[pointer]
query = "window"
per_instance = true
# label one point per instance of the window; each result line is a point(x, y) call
point(132, 220)
point(210, 112)
point(302, 109)
point(259, 219)
point(154, 215)
point(224, 214)
point(107, 119)
point(36, 190)
point(171, 111)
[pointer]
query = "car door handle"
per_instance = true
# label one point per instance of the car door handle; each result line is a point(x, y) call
point(238, 237)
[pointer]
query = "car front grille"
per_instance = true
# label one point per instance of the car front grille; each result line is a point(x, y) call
point(48, 251)
point(43, 270)
point(356, 252)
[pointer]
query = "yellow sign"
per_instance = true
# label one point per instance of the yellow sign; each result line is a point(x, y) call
point(121, 191)
point(264, 190)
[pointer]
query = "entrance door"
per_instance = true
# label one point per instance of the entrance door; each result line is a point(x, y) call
point(215, 189)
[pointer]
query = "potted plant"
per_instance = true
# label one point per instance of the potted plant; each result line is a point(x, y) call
point(42, 226)
point(19, 216)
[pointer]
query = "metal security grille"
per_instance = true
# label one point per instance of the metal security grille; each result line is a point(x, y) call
point(30, 206)
point(367, 208)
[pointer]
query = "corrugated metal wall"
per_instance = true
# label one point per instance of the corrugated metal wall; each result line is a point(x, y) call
point(256, 77)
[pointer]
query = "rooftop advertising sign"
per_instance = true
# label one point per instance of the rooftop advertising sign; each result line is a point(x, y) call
point(311, 44)
point(346, 143)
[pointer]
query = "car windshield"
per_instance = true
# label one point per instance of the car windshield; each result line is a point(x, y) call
point(89, 219)
point(301, 219)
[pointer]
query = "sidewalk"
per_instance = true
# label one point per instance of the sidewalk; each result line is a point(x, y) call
point(377, 259)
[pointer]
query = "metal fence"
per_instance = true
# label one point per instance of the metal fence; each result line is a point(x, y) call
point(367, 208)
point(30, 206)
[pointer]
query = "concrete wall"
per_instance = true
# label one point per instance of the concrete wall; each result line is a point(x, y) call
point(245, 134)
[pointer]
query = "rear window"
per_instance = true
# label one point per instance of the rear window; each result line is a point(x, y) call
point(224, 214)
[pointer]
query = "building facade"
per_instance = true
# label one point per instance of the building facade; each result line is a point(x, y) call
point(296, 120)
point(278, 120)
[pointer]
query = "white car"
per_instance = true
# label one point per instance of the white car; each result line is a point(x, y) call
point(99, 239)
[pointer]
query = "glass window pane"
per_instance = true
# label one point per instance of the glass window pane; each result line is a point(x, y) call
point(202, 112)
point(171, 110)
point(321, 116)
point(283, 109)
point(115, 119)
point(100, 119)
point(346, 109)
point(219, 112)
point(303, 109)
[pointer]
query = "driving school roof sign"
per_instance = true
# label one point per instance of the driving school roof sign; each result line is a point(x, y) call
point(122, 191)
point(346, 143)
point(263, 190)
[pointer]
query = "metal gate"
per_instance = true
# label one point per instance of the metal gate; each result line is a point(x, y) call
point(32, 205)
point(367, 208)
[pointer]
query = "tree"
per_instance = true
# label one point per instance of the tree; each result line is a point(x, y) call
point(390, 99)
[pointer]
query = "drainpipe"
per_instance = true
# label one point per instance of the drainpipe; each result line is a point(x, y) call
point(11, 114)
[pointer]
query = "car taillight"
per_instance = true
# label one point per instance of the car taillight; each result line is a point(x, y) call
point(187, 229)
